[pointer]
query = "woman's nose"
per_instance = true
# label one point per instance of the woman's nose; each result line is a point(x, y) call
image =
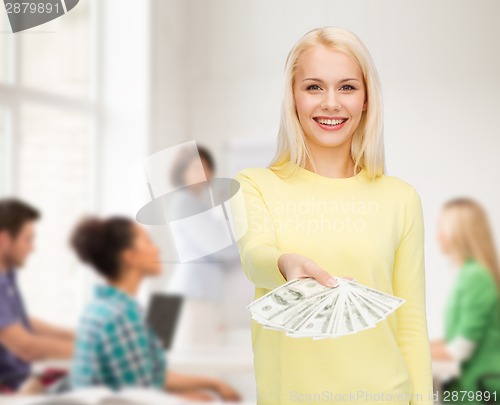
point(331, 101)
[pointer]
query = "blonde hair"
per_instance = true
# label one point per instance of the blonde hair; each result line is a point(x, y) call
point(467, 228)
point(367, 146)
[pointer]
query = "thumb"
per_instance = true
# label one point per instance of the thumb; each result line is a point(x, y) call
point(322, 276)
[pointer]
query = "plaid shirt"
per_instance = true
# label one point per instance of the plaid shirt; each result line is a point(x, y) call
point(114, 346)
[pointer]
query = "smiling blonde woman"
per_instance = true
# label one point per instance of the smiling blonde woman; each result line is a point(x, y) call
point(330, 150)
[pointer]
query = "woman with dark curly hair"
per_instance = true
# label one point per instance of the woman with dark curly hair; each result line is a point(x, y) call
point(114, 346)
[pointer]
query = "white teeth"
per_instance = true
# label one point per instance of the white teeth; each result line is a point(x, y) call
point(330, 122)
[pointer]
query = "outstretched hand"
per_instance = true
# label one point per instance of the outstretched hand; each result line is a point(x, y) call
point(294, 266)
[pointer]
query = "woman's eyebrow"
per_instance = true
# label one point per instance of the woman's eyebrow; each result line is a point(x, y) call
point(341, 81)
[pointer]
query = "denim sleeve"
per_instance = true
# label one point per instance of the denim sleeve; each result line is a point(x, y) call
point(7, 316)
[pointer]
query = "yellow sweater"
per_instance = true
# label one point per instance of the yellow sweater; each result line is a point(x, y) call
point(370, 230)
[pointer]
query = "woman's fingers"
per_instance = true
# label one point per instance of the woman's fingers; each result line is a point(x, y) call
point(294, 266)
point(322, 276)
point(197, 396)
point(228, 393)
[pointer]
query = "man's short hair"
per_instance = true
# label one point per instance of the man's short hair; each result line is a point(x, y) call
point(14, 213)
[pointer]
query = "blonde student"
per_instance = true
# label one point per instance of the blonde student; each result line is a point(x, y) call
point(325, 208)
point(472, 311)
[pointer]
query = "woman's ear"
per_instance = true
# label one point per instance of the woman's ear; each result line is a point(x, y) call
point(128, 257)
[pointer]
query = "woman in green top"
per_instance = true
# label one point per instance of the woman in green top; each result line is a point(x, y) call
point(472, 313)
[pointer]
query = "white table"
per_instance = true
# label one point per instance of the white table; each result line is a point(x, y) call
point(212, 359)
point(443, 371)
point(232, 362)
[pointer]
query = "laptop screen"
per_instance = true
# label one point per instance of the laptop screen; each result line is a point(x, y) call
point(163, 315)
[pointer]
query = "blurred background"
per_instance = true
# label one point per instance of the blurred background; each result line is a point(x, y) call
point(86, 96)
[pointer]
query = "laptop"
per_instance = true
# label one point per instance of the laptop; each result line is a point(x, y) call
point(163, 315)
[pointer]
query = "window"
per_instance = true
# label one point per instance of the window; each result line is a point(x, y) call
point(3, 154)
point(48, 130)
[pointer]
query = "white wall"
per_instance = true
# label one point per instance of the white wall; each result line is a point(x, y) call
point(124, 76)
point(122, 131)
point(438, 63)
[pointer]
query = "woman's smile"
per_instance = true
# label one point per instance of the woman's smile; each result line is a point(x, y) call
point(330, 123)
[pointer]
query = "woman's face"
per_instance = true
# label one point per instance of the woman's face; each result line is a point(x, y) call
point(197, 171)
point(144, 254)
point(328, 85)
point(442, 239)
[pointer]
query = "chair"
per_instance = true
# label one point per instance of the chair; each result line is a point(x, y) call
point(483, 386)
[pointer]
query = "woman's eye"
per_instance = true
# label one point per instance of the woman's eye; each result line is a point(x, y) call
point(313, 87)
point(349, 87)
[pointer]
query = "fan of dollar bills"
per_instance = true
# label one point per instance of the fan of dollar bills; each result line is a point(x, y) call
point(305, 308)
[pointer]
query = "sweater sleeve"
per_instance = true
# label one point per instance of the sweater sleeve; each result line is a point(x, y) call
point(256, 238)
point(477, 301)
point(409, 284)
